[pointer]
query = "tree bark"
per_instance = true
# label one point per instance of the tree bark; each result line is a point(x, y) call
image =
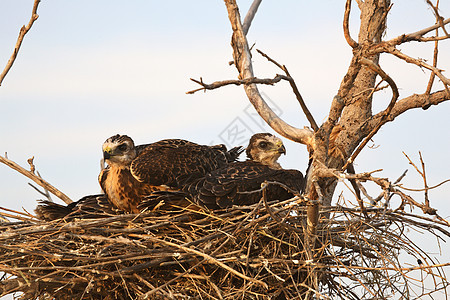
point(351, 110)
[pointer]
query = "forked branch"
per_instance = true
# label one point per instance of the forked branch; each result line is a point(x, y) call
point(439, 18)
point(242, 60)
point(268, 81)
point(390, 47)
point(41, 182)
point(389, 189)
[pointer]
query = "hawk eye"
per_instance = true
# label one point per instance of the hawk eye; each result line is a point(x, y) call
point(123, 147)
point(263, 145)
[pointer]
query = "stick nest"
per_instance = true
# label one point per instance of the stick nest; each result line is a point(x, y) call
point(254, 252)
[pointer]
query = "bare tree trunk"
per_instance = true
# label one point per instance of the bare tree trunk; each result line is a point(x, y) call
point(351, 109)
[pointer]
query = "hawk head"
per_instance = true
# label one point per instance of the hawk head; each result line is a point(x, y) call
point(266, 149)
point(119, 150)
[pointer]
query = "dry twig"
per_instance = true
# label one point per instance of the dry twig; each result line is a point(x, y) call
point(219, 84)
point(291, 80)
point(22, 33)
point(41, 182)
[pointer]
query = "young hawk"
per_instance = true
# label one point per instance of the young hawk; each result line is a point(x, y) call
point(135, 172)
point(239, 183)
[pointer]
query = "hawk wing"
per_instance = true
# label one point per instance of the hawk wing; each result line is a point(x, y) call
point(239, 183)
point(170, 143)
point(92, 206)
point(176, 162)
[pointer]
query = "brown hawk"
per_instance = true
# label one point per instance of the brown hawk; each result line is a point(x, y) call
point(134, 172)
point(239, 183)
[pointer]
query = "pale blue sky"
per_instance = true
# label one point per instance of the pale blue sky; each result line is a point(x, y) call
point(91, 69)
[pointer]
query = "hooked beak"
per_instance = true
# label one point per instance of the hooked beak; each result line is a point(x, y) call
point(282, 149)
point(107, 153)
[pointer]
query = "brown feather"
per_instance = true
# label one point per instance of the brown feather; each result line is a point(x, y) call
point(239, 183)
point(135, 172)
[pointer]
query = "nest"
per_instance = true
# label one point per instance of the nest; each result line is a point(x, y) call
point(261, 251)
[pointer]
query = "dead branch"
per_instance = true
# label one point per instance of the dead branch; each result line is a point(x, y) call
point(387, 187)
point(425, 208)
point(411, 102)
point(418, 62)
point(423, 175)
point(419, 35)
point(242, 59)
point(291, 80)
point(390, 48)
point(222, 83)
point(352, 43)
point(44, 193)
point(22, 33)
point(432, 75)
point(18, 215)
point(246, 77)
point(37, 179)
point(424, 189)
point(250, 15)
point(439, 19)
